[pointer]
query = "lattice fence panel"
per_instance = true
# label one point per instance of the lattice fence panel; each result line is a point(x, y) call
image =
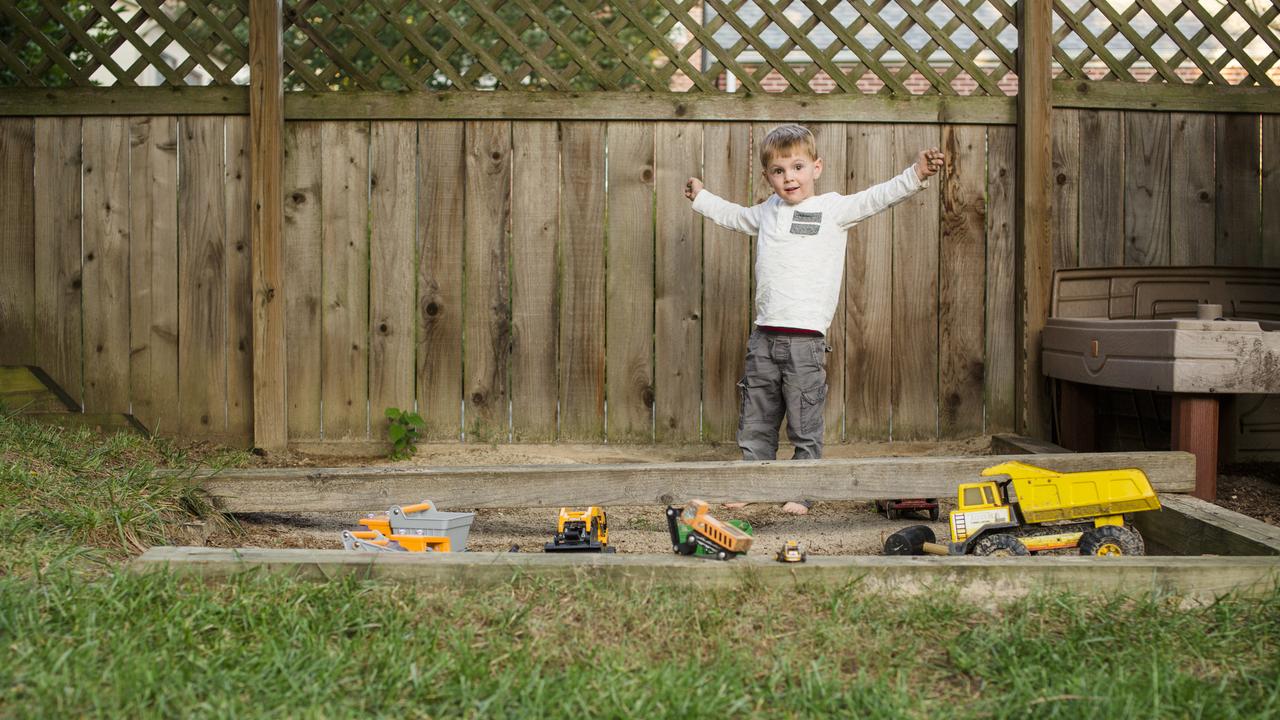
point(53, 43)
point(1221, 42)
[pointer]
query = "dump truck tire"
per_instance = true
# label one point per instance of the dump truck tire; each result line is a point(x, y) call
point(999, 545)
point(1112, 540)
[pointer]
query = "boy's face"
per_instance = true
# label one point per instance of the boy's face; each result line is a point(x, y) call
point(792, 174)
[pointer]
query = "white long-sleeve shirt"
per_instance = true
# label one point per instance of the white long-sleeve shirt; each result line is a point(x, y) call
point(800, 248)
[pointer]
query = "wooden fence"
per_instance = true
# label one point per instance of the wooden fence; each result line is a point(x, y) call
point(504, 244)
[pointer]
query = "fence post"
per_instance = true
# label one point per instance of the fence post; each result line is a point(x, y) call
point(1034, 244)
point(266, 162)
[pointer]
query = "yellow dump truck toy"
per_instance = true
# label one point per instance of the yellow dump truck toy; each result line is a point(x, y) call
point(716, 537)
point(1039, 509)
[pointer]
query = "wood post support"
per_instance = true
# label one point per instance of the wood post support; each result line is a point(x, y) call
point(1195, 430)
point(266, 163)
point(1034, 251)
point(1078, 425)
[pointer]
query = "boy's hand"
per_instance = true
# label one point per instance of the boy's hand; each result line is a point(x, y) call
point(928, 163)
point(692, 188)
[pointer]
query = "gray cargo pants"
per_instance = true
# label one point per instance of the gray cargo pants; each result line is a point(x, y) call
point(784, 374)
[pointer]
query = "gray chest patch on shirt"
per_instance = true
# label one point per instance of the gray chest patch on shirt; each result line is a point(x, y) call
point(804, 228)
point(807, 217)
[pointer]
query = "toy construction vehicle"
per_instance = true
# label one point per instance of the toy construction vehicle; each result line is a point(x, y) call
point(704, 532)
point(412, 528)
point(791, 553)
point(1038, 509)
point(581, 531)
point(893, 509)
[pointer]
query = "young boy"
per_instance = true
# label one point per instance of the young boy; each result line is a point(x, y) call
point(799, 266)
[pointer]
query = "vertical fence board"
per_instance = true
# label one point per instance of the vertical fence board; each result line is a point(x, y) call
point(726, 259)
point(202, 308)
point(302, 231)
point(1146, 189)
point(1066, 189)
point(915, 297)
point(59, 346)
point(1191, 189)
point(106, 264)
point(1001, 328)
point(1271, 190)
point(629, 291)
point(1239, 240)
point(153, 271)
point(832, 142)
point(1102, 239)
point(962, 280)
point(239, 282)
point(488, 308)
point(535, 229)
point(393, 217)
point(582, 291)
point(869, 291)
point(678, 287)
point(441, 204)
point(344, 365)
point(17, 242)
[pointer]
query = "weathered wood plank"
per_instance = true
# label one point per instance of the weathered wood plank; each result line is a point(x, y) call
point(344, 202)
point(29, 391)
point(915, 297)
point(535, 232)
point(582, 315)
point(1102, 240)
point(1187, 525)
point(961, 281)
point(1271, 190)
point(17, 242)
point(153, 271)
point(85, 101)
point(1165, 97)
point(1239, 237)
point(269, 331)
point(1191, 189)
point(832, 141)
point(488, 298)
point(1001, 315)
point(629, 284)
point(441, 207)
point(726, 298)
point(1066, 189)
point(303, 179)
point(58, 284)
point(349, 489)
point(393, 200)
point(106, 265)
point(1146, 189)
point(239, 206)
point(202, 307)
point(1201, 580)
point(678, 286)
point(869, 291)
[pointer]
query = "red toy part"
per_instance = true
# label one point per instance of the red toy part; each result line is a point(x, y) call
point(893, 509)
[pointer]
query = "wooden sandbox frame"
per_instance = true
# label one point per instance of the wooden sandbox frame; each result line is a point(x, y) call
point(1243, 553)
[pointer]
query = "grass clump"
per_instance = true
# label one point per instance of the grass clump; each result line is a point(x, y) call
point(77, 494)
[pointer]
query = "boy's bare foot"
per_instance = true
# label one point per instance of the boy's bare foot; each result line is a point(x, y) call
point(796, 508)
point(733, 505)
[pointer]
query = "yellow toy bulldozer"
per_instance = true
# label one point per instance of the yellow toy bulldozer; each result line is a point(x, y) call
point(581, 531)
point(1039, 509)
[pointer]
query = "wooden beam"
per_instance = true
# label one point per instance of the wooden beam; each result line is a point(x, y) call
point(1019, 444)
point(266, 163)
point(1195, 579)
point(1034, 247)
point(186, 100)
point(357, 488)
point(1165, 97)
point(1187, 525)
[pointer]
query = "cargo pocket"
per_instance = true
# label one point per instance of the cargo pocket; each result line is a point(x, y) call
point(813, 401)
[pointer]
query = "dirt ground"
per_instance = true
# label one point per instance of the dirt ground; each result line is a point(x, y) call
point(852, 528)
point(846, 528)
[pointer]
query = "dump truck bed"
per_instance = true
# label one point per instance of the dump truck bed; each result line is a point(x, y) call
point(1047, 496)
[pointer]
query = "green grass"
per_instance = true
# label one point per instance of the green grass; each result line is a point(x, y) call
point(78, 637)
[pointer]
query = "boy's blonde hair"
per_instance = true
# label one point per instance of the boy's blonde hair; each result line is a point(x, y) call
point(784, 138)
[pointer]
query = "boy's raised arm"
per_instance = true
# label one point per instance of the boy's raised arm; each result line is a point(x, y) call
point(852, 208)
point(720, 211)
